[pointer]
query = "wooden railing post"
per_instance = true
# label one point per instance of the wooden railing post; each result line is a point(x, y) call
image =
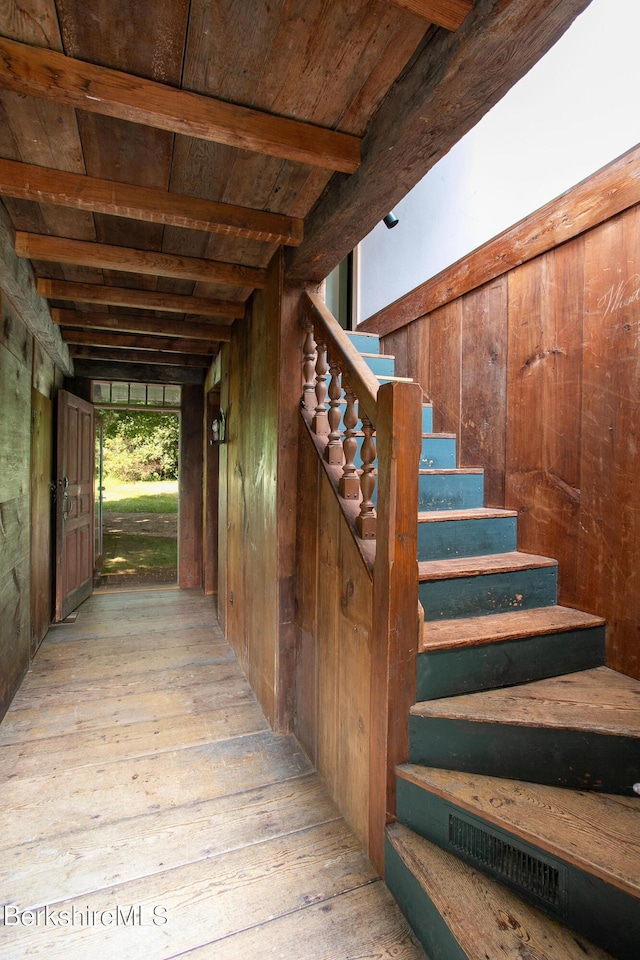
point(395, 600)
point(366, 522)
point(309, 371)
point(333, 452)
point(349, 481)
point(320, 422)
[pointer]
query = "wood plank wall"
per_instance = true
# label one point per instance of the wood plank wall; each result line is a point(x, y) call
point(537, 372)
point(259, 393)
point(191, 472)
point(28, 382)
point(334, 608)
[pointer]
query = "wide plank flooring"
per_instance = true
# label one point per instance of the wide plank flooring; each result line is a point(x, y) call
point(149, 811)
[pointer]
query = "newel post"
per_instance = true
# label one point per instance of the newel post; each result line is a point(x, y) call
point(395, 600)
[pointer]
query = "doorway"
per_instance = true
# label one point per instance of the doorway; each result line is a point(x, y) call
point(137, 457)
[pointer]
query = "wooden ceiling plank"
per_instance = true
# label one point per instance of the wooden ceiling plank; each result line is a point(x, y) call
point(452, 82)
point(39, 72)
point(104, 369)
point(126, 323)
point(138, 299)
point(137, 357)
point(449, 14)
point(134, 341)
point(46, 185)
point(36, 246)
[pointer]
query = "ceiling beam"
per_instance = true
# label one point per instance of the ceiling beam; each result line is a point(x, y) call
point(138, 299)
point(449, 14)
point(153, 263)
point(452, 82)
point(125, 323)
point(18, 282)
point(134, 341)
point(38, 72)
point(104, 368)
point(25, 181)
point(137, 357)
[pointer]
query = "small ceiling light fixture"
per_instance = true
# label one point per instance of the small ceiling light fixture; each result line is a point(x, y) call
point(391, 221)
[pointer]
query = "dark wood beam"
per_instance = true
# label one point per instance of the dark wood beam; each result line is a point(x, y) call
point(25, 181)
point(106, 369)
point(86, 352)
point(134, 341)
point(138, 299)
point(126, 323)
point(104, 256)
point(38, 72)
point(451, 83)
point(449, 14)
point(18, 282)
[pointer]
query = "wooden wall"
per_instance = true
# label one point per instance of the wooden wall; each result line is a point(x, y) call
point(28, 381)
point(334, 606)
point(538, 372)
point(260, 389)
point(190, 527)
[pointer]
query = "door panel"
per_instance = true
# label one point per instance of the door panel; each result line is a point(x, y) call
point(74, 503)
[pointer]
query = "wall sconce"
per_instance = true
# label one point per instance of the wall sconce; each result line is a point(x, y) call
point(218, 429)
point(390, 221)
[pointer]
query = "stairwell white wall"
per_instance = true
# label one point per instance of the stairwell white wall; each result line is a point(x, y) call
point(574, 112)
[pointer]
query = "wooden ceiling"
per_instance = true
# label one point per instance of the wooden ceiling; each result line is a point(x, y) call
point(155, 154)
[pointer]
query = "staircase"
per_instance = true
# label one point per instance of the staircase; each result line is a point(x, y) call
point(518, 828)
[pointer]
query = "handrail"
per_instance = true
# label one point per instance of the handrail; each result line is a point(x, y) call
point(363, 381)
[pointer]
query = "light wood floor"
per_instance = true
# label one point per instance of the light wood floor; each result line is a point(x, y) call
point(145, 800)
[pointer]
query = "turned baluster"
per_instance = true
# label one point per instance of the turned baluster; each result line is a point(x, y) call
point(308, 370)
point(350, 481)
point(366, 522)
point(320, 422)
point(333, 450)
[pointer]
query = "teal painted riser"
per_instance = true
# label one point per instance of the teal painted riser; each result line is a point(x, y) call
point(381, 366)
point(447, 673)
point(424, 918)
point(427, 418)
point(365, 343)
point(597, 910)
point(466, 538)
point(488, 593)
point(450, 491)
point(559, 757)
point(438, 453)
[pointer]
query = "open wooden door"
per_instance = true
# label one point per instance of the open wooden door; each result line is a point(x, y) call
point(74, 503)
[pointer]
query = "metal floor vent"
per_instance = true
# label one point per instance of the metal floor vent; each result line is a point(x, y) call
point(524, 870)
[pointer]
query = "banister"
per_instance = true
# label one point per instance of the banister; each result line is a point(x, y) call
point(363, 381)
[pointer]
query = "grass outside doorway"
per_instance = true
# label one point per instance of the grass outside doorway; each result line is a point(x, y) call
point(140, 532)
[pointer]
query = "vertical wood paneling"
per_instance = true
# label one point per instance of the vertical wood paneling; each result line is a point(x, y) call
point(608, 539)
point(333, 616)
point(15, 445)
point(396, 344)
point(541, 384)
point(483, 388)
point(211, 508)
point(543, 415)
point(41, 515)
point(445, 366)
point(190, 485)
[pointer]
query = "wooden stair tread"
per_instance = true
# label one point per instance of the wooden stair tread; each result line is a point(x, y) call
point(452, 471)
point(598, 833)
point(475, 908)
point(383, 356)
point(390, 379)
point(477, 566)
point(596, 701)
point(439, 436)
point(471, 513)
point(510, 625)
